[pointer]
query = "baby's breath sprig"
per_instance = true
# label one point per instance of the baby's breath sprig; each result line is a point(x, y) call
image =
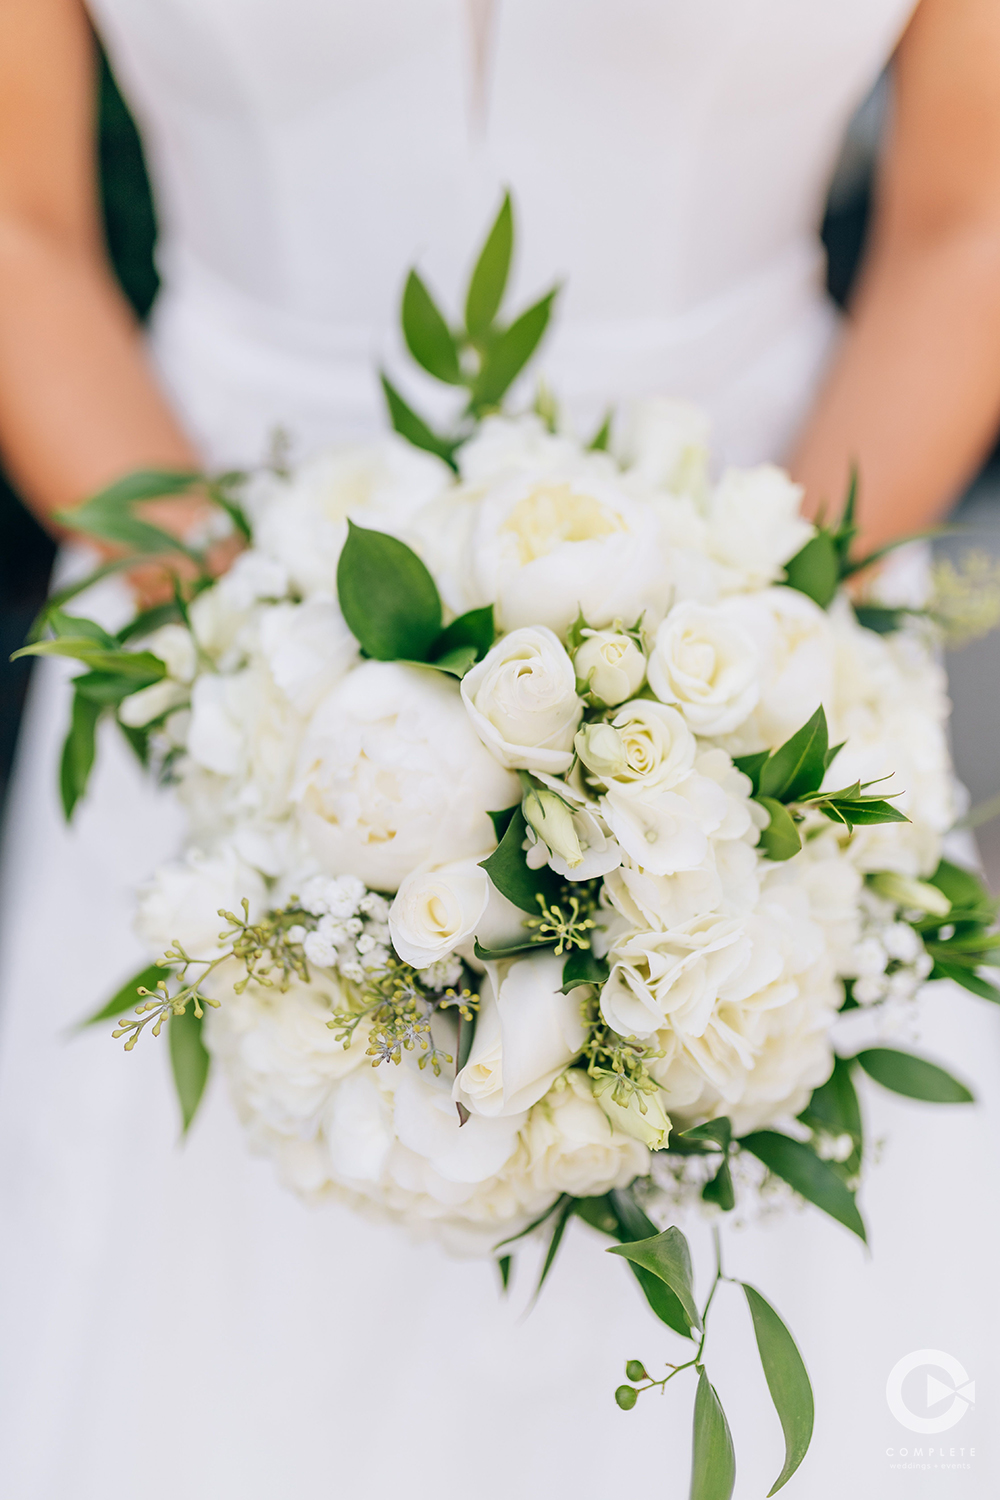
point(270, 951)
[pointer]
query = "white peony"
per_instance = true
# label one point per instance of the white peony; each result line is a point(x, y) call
point(301, 521)
point(526, 1034)
point(183, 899)
point(522, 701)
point(439, 910)
point(703, 662)
point(308, 648)
point(392, 775)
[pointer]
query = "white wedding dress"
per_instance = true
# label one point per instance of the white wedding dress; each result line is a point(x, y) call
point(172, 1323)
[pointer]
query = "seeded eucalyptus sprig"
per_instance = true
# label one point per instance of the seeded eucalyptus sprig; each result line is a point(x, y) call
point(482, 356)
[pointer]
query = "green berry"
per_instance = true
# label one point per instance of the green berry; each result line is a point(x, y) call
point(635, 1370)
point(626, 1397)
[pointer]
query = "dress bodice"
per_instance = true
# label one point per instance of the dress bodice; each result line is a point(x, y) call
point(668, 160)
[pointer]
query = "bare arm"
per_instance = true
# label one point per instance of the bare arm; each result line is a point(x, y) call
point(914, 395)
point(78, 403)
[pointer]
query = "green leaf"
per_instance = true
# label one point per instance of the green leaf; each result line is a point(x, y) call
point(863, 811)
point(137, 741)
point(475, 629)
point(508, 871)
point(834, 1109)
point(414, 429)
point(719, 1130)
point(713, 1461)
point(108, 515)
point(780, 839)
point(880, 618)
point(559, 1228)
point(466, 1036)
point(582, 967)
point(633, 1224)
point(816, 1180)
point(455, 663)
point(138, 664)
point(81, 628)
point(78, 753)
point(528, 945)
point(489, 277)
point(553, 1207)
point(913, 1076)
point(109, 687)
point(602, 437)
point(63, 596)
point(501, 820)
point(128, 996)
point(189, 1060)
point(598, 1213)
point(427, 335)
point(667, 1256)
point(815, 570)
point(147, 621)
point(720, 1190)
point(503, 1266)
point(787, 1381)
point(388, 598)
point(799, 765)
point(752, 765)
point(967, 978)
point(506, 358)
point(217, 494)
point(964, 890)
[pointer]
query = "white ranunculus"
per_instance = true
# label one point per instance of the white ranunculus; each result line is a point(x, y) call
point(707, 665)
point(526, 1034)
point(436, 911)
point(522, 701)
point(546, 548)
point(755, 526)
point(184, 897)
point(301, 521)
point(392, 775)
point(308, 649)
point(573, 1148)
point(611, 665)
point(795, 646)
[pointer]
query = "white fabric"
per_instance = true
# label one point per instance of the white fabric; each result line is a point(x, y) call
point(171, 1322)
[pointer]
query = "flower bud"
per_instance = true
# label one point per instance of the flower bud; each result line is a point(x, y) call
point(600, 748)
point(552, 820)
point(643, 1117)
point(907, 892)
point(611, 665)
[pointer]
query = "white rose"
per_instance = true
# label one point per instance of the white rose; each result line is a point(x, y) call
point(707, 665)
point(437, 911)
point(658, 747)
point(755, 526)
point(301, 522)
point(392, 776)
point(427, 1123)
point(547, 547)
point(522, 701)
point(795, 647)
point(526, 1034)
point(611, 665)
point(184, 897)
point(574, 1148)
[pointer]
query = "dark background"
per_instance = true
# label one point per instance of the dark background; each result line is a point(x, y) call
point(26, 552)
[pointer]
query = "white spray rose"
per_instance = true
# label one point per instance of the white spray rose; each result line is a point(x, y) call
point(437, 911)
point(580, 832)
point(601, 750)
point(611, 665)
point(522, 701)
point(755, 526)
point(707, 665)
point(570, 1146)
point(392, 776)
point(184, 898)
point(526, 1034)
point(640, 1114)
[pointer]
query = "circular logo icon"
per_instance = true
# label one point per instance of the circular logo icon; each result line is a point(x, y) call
point(960, 1394)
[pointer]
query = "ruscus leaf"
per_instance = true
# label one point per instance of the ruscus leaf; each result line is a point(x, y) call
point(388, 598)
point(719, 1130)
point(475, 629)
point(78, 753)
point(489, 277)
point(719, 1190)
point(633, 1224)
point(797, 767)
point(905, 1073)
point(780, 840)
point(816, 1180)
point(128, 997)
point(583, 967)
point(509, 872)
point(427, 335)
point(713, 1461)
point(815, 570)
point(787, 1381)
point(505, 359)
point(667, 1256)
point(413, 428)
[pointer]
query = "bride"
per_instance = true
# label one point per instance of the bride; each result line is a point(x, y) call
point(171, 1322)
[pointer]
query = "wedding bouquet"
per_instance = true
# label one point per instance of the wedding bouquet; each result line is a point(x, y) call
point(558, 803)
